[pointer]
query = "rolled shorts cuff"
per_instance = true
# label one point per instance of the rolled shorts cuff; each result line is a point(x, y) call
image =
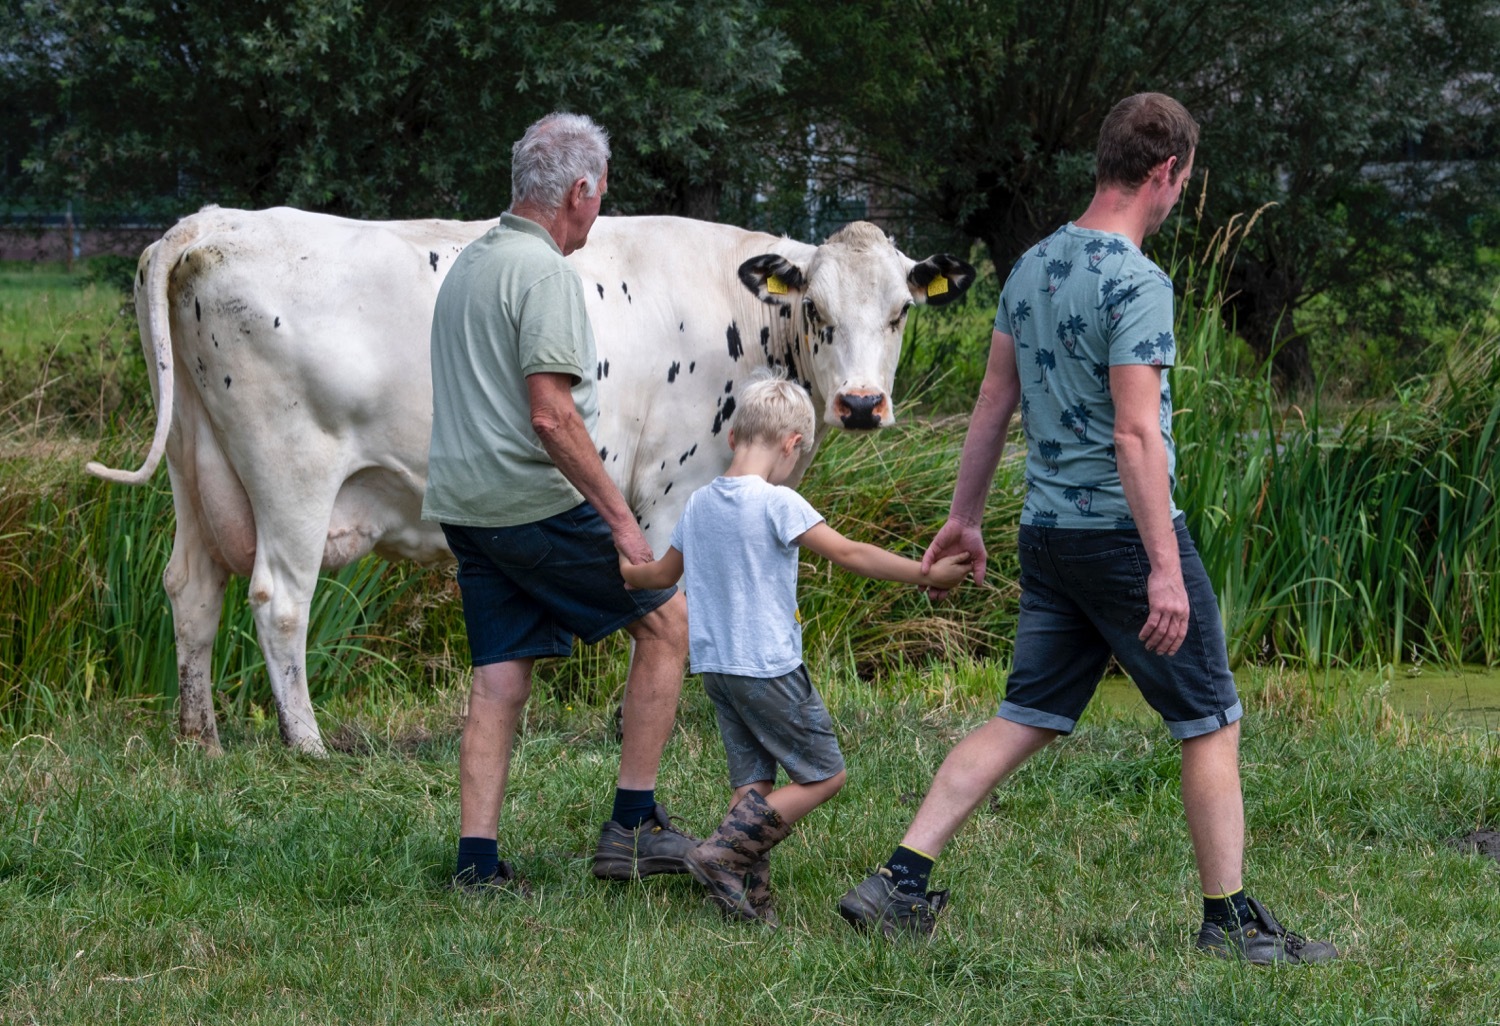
point(1035, 718)
point(1184, 730)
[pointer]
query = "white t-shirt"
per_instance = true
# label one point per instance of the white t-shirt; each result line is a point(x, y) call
point(738, 538)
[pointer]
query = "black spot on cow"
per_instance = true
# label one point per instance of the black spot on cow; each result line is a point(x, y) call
point(226, 381)
point(667, 489)
point(729, 386)
point(201, 368)
point(736, 350)
point(276, 323)
point(432, 259)
point(684, 457)
point(197, 311)
point(680, 326)
point(728, 408)
point(672, 371)
point(765, 340)
point(663, 464)
point(141, 274)
point(600, 286)
point(692, 365)
point(827, 334)
point(214, 338)
point(603, 453)
point(606, 368)
point(626, 289)
point(598, 370)
point(786, 312)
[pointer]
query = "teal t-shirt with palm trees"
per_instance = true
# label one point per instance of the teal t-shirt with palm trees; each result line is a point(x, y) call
point(1077, 303)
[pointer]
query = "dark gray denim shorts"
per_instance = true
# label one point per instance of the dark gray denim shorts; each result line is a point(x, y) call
point(766, 721)
point(1083, 599)
point(530, 589)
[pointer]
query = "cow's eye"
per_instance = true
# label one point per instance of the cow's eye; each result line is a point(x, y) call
point(810, 310)
point(896, 321)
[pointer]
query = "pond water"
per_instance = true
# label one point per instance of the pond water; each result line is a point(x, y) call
point(1467, 699)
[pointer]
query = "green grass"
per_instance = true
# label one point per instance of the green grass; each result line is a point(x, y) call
point(143, 882)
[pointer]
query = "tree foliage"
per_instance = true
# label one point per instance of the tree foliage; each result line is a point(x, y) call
point(983, 117)
point(387, 107)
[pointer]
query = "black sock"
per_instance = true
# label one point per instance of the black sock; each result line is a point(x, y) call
point(632, 808)
point(910, 868)
point(478, 859)
point(1230, 911)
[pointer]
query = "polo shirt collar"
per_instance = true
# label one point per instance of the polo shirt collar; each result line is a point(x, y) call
point(530, 227)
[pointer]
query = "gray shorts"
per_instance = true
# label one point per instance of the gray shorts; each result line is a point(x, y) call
point(770, 721)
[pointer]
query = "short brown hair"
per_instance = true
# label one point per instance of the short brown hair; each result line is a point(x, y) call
point(1140, 133)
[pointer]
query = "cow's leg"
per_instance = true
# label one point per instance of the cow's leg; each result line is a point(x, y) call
point(195, 586)
point(288, 554)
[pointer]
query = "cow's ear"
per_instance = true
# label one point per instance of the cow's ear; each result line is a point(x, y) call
point(772, 278)
point(939, 279)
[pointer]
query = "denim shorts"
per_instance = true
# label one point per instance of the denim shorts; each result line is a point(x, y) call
point(529, 590)
point(770, 721)
point(1083, 599)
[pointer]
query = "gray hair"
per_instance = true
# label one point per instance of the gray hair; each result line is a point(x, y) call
point(770, 408)
point(554, 153)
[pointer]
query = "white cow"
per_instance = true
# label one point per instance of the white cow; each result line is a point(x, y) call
point(289, 357)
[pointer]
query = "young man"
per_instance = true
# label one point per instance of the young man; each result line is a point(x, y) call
point(528, 510)
point(738, 540)
point(1082, 335)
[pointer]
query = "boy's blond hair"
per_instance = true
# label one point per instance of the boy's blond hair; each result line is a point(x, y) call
point(770, 408)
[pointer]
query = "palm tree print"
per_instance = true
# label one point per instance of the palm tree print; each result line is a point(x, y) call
point(1049, 450)
point(1101, 374)
point(1076, 419)
point(1044, 518)
point(1165, 344)
point(1095, 249)
point(1046, 361)
point(1145, 351)
point(1083, 498)
point(1057, 273)
point(1070, 333)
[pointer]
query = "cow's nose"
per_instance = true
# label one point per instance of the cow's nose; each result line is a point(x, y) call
point(859, 411)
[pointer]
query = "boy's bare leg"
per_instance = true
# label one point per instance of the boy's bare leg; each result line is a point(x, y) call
point(793, 801)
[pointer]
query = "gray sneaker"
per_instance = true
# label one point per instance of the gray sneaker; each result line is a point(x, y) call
point(656, 846)
point(877, 903)
point(1263, 941)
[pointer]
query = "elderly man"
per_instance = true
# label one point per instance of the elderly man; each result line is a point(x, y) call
point(517, 485)
point(1107, 564)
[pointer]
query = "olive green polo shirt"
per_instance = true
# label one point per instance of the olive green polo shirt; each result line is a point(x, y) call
point(511, 306)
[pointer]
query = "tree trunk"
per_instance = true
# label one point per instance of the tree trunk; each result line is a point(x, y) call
point(1262, 298)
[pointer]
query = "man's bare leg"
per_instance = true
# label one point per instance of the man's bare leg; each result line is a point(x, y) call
point(497, 699)
point(1215, 807)
point(652, 690)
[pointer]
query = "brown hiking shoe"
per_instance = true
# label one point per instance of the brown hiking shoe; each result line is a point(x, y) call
point(656, 846)
point(876, 903)
point(1263, 941)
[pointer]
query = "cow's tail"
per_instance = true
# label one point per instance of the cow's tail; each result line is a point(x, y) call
point(157, 323)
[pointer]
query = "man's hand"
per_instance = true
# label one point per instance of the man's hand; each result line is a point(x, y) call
point(631, 543)
point(954, 539)
point(1167, 624)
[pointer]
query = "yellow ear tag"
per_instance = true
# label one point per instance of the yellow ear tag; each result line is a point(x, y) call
point(775, 286)
point(937, 286)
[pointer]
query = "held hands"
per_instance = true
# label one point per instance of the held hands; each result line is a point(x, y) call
point(949, 572)
point(954, 539)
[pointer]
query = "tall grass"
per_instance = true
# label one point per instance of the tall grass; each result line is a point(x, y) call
point(1372, 538)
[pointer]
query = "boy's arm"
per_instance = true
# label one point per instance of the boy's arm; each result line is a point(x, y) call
point(660, 573)
point(873, 561)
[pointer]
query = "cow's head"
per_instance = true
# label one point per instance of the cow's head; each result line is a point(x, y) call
point(848, 307)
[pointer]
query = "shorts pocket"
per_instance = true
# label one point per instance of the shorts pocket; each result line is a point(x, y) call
point(518, 548)
point(1110, 584)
